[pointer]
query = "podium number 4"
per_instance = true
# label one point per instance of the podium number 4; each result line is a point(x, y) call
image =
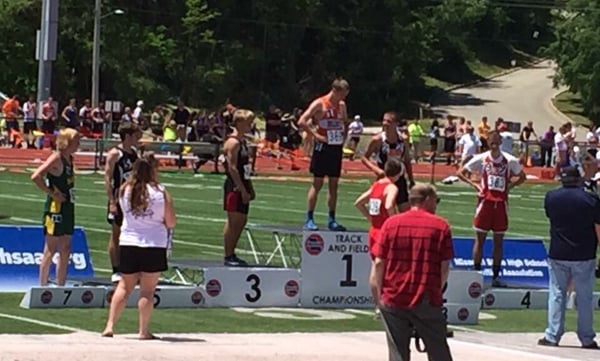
point(348, 281)
point(526, 301)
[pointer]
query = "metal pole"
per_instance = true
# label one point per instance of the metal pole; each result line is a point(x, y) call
point(46, 48)
point(96, 54)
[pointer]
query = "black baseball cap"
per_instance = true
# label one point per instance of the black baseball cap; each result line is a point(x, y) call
point(570, 175)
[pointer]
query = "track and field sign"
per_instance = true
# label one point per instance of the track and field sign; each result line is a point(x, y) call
point(335, 270)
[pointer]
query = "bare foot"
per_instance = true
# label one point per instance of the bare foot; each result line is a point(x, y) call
point(107, 333)
point(149, 336)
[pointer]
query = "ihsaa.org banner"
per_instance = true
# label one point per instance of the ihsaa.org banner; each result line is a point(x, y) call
point(21, 249)
point(524, 262)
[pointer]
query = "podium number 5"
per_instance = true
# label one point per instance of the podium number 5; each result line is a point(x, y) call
point(254, 287)
point(348, 281)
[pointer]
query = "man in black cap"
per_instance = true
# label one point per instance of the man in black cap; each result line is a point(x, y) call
point(574, 216)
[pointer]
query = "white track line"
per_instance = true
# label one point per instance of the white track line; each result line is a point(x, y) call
point(506, 350)
point(41, 323)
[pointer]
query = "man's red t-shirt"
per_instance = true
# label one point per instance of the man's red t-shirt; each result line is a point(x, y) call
point(413, 245)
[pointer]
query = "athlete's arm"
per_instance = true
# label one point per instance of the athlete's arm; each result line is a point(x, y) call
point(109, 169)
point(475, 163)
point(170, 219)
point(231, 149)
point(344, 116)
point(516, 171)
point(408, 167)
point(391, 193)
point(64, 114)
point(51, 165)
point(361, 202)
point(372, 147)
point(310, 113)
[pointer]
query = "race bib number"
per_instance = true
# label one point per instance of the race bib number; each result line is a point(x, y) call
point(374, 206)
point(496, 183)
point(72, 195)
point(335, 137)
point(247, 171)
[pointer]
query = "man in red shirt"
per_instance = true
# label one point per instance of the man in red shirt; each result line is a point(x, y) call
point(410, 268)
point(497, 170)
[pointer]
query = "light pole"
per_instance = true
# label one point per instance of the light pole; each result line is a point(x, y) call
point(96, 52)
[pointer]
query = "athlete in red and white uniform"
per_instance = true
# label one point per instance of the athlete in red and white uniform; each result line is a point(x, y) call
point(379, 202)
point(497, 171)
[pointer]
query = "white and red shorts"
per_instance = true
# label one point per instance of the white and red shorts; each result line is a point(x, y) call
point(491, 216)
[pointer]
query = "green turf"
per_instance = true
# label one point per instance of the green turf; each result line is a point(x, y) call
point(198, 235)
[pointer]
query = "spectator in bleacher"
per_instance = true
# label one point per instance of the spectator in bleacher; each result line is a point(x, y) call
point(157, 120)
point(507, 139)
point(546, 146)
point(355, 129)
point(127, 116)
point(170, 131)
point(138, 113)
point(148, 220)
point(98, 117)
point(450, 140)
point(273, 125)
point(574, 216)
point(468, 145)
point(69, 115)
point(29, 121)
point(85, 115)
point(238, 188)
point(48, 116)
point(483, 129)
point(592, 140)
point(525, 136)
point(415, 133)
point(182, 118)
point(562, 140)
point(11, 109)
point(56, 178)
point(434, 133)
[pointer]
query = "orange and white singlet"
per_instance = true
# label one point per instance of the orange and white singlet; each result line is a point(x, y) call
point(331, 126)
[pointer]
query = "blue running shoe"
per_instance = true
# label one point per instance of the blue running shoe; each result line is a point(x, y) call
point(310, 225)
point(335, 226)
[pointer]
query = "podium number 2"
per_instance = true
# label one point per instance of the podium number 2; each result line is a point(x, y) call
point(526, 301)
point(348, 281)
point(254, 287)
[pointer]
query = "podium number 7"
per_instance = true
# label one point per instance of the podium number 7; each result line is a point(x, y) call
point(348, 281)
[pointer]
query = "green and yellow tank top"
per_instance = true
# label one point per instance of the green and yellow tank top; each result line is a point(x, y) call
point(64, 183)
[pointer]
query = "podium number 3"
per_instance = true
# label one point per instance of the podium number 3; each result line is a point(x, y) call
point(254, 287)
point(348, 281)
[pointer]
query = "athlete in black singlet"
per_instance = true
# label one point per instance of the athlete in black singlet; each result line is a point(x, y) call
point(390, 143)
point(119, 163)
point(238, 190)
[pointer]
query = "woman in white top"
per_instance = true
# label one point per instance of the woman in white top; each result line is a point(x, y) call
point(148, 217)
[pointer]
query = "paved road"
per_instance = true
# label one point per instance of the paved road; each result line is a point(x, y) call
point(519, 96)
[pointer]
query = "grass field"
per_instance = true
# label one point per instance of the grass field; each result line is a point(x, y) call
point(570, 104)
point(198, 235)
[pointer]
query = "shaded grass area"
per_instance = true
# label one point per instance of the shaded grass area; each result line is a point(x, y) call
point(570, 104)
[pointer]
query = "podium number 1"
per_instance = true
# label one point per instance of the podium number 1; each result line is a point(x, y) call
point(348, 281)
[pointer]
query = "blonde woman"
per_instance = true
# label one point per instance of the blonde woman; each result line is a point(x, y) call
point(148, 217)
point(56, 178)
